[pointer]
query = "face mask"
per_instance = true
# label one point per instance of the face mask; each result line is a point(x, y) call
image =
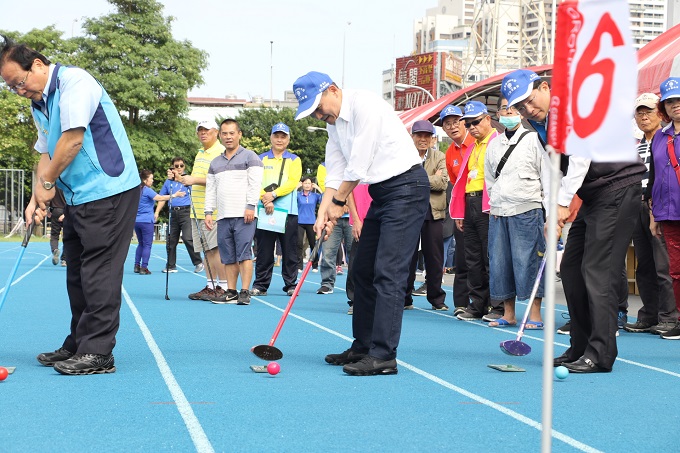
point(510, 122)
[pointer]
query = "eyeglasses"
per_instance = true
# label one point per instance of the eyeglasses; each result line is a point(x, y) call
point(645, 113)
point(522, 107)
point(473, 123)
point(505, 108)
point(450, 123)
point(20, 85)
point(179, 165)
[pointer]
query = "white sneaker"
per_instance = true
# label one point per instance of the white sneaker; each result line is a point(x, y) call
point(199, 268)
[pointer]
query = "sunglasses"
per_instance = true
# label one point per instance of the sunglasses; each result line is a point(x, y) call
point(179, 166)
point(473, 123)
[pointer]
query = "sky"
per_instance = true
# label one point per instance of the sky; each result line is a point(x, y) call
point(307, 35)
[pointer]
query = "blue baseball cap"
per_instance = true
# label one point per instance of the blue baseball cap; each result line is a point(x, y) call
point(423, 126)
point(518, 85)
point(450, 110)
point(280, 127)
point(475, 108)
point(670, 88)
point(308, 90)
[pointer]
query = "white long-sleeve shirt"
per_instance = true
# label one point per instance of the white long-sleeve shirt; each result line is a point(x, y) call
point(368, 142)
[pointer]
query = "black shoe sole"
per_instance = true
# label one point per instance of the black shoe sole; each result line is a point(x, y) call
point(383, 371)
point(86, 371)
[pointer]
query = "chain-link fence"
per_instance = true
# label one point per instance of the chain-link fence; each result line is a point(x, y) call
point(11, 201)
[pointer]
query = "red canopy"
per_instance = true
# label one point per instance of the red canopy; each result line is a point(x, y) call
point(658, 59)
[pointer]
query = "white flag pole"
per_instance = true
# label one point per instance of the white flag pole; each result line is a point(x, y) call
point(549, 304)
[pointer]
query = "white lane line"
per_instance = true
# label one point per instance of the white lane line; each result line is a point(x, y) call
point(28, 272)
point(194, 427)
point(514, 333)
point(504, 410)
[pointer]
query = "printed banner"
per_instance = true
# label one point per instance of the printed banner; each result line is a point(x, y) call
point(594, 82)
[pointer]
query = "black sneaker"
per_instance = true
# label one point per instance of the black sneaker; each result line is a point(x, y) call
point(565, 329)
point(86, 364)
point(492, 316)
point(421, 291)
point(458, 310)
point(55, 256)
point(216, 294)
point(638, 327)
point(468, 315)
point(673, 334)
point(325, 290)
point(243, 297)
point(442, 307)
point(662, 327)
point(50, 358)
point(227, 297)
point(622, 319)
point(371, 366)
point(137, 268)
point(205, 292)
point(349, 356)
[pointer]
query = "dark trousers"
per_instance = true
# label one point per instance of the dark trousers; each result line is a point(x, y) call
point(591, 268)
point(652, 274)
point(461, 293)
point(96, 240)
point(307, 230)
point(390, 232)
point(264, 265)
point(55, 230)
point(144, 232)
point(671, 234)
point(476, 231)
point(180, 222)
point(432, 245)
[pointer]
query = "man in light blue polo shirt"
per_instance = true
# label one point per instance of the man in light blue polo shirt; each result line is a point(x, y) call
point(85, 151)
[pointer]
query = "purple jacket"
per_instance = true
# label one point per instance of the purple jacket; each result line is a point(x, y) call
point(665, 189)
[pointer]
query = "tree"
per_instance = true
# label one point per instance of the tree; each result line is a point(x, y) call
point(256, 125)
point(148, 75)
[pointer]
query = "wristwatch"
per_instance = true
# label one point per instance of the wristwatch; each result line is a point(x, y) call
point(46, 184)
point(274, 196)
point(338, 202)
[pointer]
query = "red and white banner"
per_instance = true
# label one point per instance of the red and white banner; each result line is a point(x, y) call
point(594, 81)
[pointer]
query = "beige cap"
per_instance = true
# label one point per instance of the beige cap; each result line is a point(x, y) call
point(649, 100)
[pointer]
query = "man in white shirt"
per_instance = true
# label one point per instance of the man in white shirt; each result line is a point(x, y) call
point(368, 143)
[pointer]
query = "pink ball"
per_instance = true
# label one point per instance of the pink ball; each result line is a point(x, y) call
point(273, 368)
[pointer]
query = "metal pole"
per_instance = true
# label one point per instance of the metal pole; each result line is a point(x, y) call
point(549, 308)
point(271, 74)
point(553, 15)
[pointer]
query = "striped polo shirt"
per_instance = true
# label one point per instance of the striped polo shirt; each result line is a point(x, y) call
point(200, 170)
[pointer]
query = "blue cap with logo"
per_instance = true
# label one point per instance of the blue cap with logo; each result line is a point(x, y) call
point(518, 85)
point(475, 108)
point(308, 90)
point(423, 126)
point(281, 127)
point(670, 88)
point(450, 110)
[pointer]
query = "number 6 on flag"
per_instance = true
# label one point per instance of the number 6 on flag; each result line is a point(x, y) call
point(594, 81)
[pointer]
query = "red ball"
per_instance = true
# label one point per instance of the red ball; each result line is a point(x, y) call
point(4, 373)
point(273, 368)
